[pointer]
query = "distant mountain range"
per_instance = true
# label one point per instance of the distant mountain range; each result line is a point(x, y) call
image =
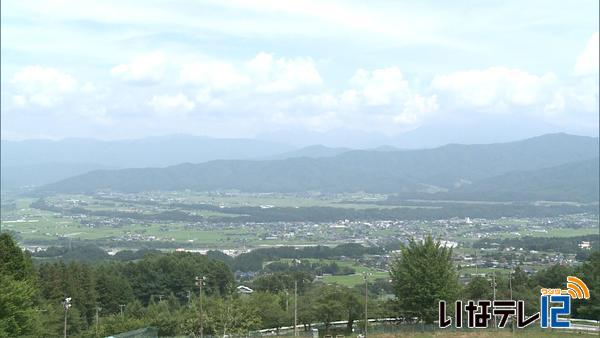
point(37, 174)
point(315, 151)
point(37, 162)
point(147, 152)
point(471, 170)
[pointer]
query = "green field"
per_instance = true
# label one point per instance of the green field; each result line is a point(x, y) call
point(33, 225)
point(346, 280)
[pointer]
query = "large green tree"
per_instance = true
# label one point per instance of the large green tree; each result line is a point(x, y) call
point(590, 274)
point(271, 313)
point(112, 289)
point(231, 315)
point(18, 315)
point(422, 275)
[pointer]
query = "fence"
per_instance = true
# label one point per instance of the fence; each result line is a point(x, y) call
point(147, 332)
point(384, 326)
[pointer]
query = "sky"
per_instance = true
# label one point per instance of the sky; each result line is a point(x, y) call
point(336, 72)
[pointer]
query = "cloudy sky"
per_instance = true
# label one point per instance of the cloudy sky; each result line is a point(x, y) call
point(277, 69)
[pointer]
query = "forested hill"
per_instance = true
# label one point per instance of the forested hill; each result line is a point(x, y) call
point(576, 181)
point(444, 168)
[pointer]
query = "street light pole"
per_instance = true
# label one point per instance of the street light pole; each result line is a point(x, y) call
point(66, 305)
point(200, 282)
point(97, 319)
point(494, 281)
point(365, 276)
point(512, 321)
point(65, 326)
point(121, 306)
point(295, 308)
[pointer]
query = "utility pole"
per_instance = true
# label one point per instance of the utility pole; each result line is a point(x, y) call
point(121, 306)
point(66, 305)
point(97, 319)
point(365, 276)
point(295, 308)
point(512, 322)
point(287, 298)
point(200, 282)
point(494, 283)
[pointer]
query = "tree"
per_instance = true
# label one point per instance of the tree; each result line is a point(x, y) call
point(231, 316)
point(112, 289)
point(328, 304)
point(553, 277)
point(590, 274)
point(354, 305)
point(13, 261)
point(17, 312)
point(271, 312)
point(478, 288)
point(17, 291)
point(422, 275)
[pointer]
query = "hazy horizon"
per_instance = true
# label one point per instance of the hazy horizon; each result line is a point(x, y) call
point(391, 142)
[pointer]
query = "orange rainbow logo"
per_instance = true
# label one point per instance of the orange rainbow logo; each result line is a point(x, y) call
point(577, 288)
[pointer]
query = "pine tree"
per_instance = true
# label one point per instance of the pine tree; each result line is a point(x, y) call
point(17, 290)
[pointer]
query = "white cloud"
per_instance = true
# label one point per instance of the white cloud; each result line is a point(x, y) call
point(172, 103)
point(415, 108)
point(42, 86)
point(146, 69)
point(262, 74)
point(588, 60)
point(326, 101)
point(581, 97)
point(381, 86)
point(216, 75)
point(567, 102)
point(19, 100)
point(97, 114)
point(494, 87)
point(386, 96)
point(283, 75)
point(88, 88)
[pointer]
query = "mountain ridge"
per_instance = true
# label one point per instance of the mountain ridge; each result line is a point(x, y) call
point(355, 170)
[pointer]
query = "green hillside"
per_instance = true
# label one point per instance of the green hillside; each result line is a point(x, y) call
point(439, 169)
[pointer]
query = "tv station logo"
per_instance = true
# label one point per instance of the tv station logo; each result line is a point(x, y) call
point(555, 304)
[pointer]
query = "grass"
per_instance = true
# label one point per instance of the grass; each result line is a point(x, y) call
point(346, 280)
point(567, 232)
point(353, 280)
point(290, 201)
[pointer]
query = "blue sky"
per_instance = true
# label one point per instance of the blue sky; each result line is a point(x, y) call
point(128, 69)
